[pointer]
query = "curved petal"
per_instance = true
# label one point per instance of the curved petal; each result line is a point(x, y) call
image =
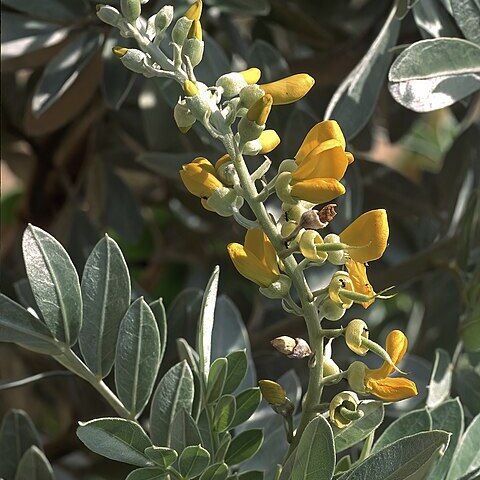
point(326, 130)
point(199, 177)
point(392, 389)
point(250, 266)
point(318, 190)
point(258, 243)
point(396, 346)
point(358, 274)
point(328, 160)
point(370, 232)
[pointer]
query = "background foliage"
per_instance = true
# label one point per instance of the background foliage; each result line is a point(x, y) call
point(88, 148)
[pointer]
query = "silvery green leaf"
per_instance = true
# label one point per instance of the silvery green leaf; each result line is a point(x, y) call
point(434, 20)
point(184, 431)
point(224, 413)
point(216, 379)
point(315, 455)
point(17, 435)
point(21, 34)
point(251, 475)
point(137, 357)
point(467, 385)
point(448, 417)
point(467, 455)
point(116, 438)
point(34, 465)
point(148, 473)
point(62, 10)
point(158, 310)
point(161, 456)
point(217, 471)
point(355, 99)
point(432, 74)
point(174, 393)
point(408, 424)
point(473, 475)
point(54, 283)
point(193, 461)
point(246, 404)
point(467, 15)
point(17, 325)
point(359, 429)
point(402, 459)
point(268, 59)
point(106, 296)
point(244, 446)
point(63, 69)
point(237, 365)
point(205, 323)
point(441, 379)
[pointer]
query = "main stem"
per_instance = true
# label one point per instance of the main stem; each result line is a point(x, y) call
point(310, 312)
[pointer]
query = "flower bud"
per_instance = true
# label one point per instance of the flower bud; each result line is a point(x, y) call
point(183, 117)
point(340, 282)
point(250, 94)
point(267, 142)
point(251, 75)
point(109, 15)
point(231, 83)
point(131, 9)
point(356, 376)
point(276, 396)
point(194, 12)
point(158, 23)
point(292, 347)
point(190, 88)
point(180, 30)
point(344, 409)
point(283, 188)
point(134, 60)
point(224, 201)
point(277, 289)
point(193, 49)
point(355, 332)
point(289, 89)
point(330, 367)
point(332, 311)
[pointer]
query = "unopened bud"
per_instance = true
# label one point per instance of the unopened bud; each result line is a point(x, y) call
point(131, 9)
point(276, 396)
point(193, 49)
point(265, 143)
point(292, 347)
point(195, 11)
point(133, 59)
point(180, 30)
point(109, 15)
point(250, 94)
point(195, 30)
point(225, 201)
point(344, 410)
point(355, 332)
point(260, 110)
point(190, 88)
point(158, 23)
point(183, 117)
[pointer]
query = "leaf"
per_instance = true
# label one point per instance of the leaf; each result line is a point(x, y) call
point(244, 446)
point(216, 379)
point(251, 475)
point(433, 20)
point(174, 393)
point(224, 413)
point(354, 101)
point(137, 357)
point(63, 69)
point(54, 283)
point(17, 325)
point(162, 456)
point(448, 417)
point(467, 385)
point(193, 461)
point(184, 432)
point(117, 439)
point(401, 459)
point(62, 10)
point(106, 297)
point(467, 455)
point(432, 74)
point(315, 456)
point(408, 424)
point(243, 7)
point(205, 323)
point(21, 35)
point(467, 16)
point(217, 471)
point(117, 80)
point(17, 435)
point(149, 473)
point(236, 370)
point(268, 59)
point(441, 379)
point(246, 404)
point(34, 466)
point(361, 428)
point(158, 310)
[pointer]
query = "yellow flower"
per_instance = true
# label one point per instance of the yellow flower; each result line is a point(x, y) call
point(289, 89)
point(257, 259)
point(251, 75)
point(370, 233)
point(358, 275)
point(322, 163)
point(195, 11)
point(200, 178)
point(195, 30)
point(260, 110)
point(377, 381)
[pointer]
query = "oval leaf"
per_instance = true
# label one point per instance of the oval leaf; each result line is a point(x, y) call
point(137, 357)
point(246, 404)
point(116, 438)
point(315, 456)
point(158, 310)
point(224, 413)
point(244, 446)
point(174, 392)
point(216, 379)
point(54, 283)
point(149, 473)
point(34, 466)
point(185, 432)
point(218, 471)
point(441, 379)
point(106, 297)
point(236, 370)
point(162, 456)
point(193, 461)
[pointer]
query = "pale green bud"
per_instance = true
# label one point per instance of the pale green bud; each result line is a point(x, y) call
point(183, 117)
point(193, 49)
point(277, 289)
point(199, 106)
point(134, 60)
point(231, 83)
point(283, 188)
point(250, 94)
point(109, 15)
point(158, 23)
point(180, 30)
point(224, 201)
point(131, 9)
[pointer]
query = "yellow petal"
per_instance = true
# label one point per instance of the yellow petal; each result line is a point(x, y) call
point(396, 346)
point(392, 389)
point(195, 30)
point(269, 140)
point(369, 231)
point(289, 89)
point(250, 266)
point(222, 160)
point(318, 190)
point(190, 88)
point(195, 11)
point(199, 177)
point(258, 243)
point(328, 160)
point(252, 75)
point(326, 130)
point(358, 274)
point(272, 392)
point(260, 110)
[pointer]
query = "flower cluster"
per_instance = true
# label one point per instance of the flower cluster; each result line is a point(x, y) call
point(276, 251)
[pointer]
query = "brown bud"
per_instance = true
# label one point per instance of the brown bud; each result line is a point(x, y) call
point(292, 347)
point(327, 213)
